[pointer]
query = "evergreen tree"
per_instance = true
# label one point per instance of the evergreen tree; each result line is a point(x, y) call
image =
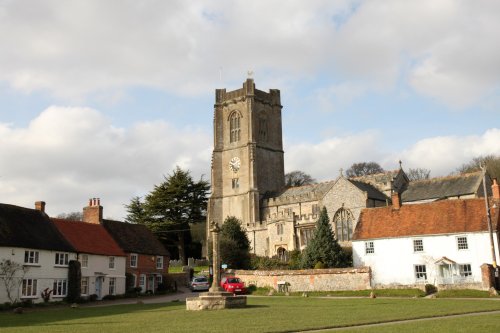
point(234, 244)
point(323, 249)
point(169, 208)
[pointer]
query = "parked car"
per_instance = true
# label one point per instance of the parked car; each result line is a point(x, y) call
point(233, 285)
point(199, 283)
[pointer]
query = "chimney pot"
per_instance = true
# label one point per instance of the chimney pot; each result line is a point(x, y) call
point(495, 189)
point(40, 205)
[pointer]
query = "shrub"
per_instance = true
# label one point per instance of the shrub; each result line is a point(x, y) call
point(109, 297)
point(93, 298)
point(319, 265)
point(74, 281)
point(430, 289)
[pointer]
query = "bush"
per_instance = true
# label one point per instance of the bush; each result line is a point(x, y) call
point(93, 298)
point(430, 289)
point(109, 297)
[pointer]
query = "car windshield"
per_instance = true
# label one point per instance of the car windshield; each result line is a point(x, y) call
point(200, 280)
point(233, 280)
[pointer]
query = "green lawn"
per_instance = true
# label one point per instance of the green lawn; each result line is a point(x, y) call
point(264, 314)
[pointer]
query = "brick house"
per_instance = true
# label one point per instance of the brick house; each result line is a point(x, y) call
point(147, 259)
point(444, 243)
point(101, 258)
point(28, 237)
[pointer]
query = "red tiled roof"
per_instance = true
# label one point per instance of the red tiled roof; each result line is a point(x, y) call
point(88, 237)
point(441, 217)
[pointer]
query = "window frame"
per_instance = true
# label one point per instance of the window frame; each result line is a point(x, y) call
point(134, 258)
point(464, 245)
point(369, 247)
point(60, 288)
point(234, 127)
point(111, 263)
point(159, 262)
point(418, 248)
point(61, 259)
point(112, 286)
point(84, 260)
point(31, 257)
point(420, 274)
point(84, 286)
point(32, 285)
point(463, 272)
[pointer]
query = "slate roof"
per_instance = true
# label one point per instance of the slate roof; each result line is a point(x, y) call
point(439, 217)
point(135, 238)
point(88, 237)
point(31, 229)
point(373, 192)
point(316, 191)
point(444, 187)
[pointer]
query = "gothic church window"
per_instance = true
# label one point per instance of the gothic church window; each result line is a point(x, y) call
point(263, 129)
point(234, 127)
point(343, 221)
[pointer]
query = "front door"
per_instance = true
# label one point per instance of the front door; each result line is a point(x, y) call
point(151, 283)
point(98, 286)
point(446, 273)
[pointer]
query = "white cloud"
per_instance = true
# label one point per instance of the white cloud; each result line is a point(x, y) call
point(443, 155)
point(67, 155)
point(444, 49)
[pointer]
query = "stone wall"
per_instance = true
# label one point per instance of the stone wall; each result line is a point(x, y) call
point(309, 280)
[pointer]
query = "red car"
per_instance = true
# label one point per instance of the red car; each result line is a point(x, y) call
point(233, 285)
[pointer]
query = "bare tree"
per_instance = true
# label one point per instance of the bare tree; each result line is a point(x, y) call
point(12, 274)
point(298, 178)
point(492, 163)
point(73, 216)
point(418, 174)
point(363, 169)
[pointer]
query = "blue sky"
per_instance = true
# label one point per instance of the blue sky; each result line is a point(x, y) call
point(101, 99)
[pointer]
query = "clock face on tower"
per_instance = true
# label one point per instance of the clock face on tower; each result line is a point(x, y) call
point(234, 164)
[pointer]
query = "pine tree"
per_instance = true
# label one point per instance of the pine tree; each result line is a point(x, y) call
point(323, 249)
point(234, 244)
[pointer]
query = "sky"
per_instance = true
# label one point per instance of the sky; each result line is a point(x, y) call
point(105, 98)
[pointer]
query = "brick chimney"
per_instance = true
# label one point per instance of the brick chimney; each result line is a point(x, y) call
point(93, 212)
point(495, 189)
point(396, 200)
point(40, 205)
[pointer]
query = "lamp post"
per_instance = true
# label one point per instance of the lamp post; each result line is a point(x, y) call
point(490, 228)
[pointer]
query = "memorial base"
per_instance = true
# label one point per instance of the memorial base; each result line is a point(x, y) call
point(215, 301)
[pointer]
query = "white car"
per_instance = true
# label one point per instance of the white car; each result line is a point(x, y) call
point(199, 283)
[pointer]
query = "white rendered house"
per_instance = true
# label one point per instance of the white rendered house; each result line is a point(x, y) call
point(444, 243)
point(28, 238)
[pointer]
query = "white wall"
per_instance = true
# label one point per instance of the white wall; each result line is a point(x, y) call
point(98, 265)
point(394, 258)
point(45, 271)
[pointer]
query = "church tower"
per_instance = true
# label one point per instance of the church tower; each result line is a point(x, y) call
point(247, 160)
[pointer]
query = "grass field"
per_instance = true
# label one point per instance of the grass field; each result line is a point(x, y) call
point(263, 314)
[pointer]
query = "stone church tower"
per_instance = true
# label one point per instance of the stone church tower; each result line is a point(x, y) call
point(247, 160)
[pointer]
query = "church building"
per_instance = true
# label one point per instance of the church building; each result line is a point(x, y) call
point(248, 178)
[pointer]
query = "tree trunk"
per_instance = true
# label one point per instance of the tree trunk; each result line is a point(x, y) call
point(181, 247)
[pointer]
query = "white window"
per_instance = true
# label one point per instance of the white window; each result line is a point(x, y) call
point(418, 245)
point(369, 248)
point(112, 285)
point(29, 288)
point(142, 282)
point(31, 257)
point(420, 273)
point(462, 243)
point(159, 262)
point(159, 279)
point(61, 259)
point(84, 260)
point(133, 260)
point(465, 270)
point(111, 262)
point(60, 287)
point(85, 286)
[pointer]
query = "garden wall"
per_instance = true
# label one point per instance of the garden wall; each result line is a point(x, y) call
point(309, 280)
